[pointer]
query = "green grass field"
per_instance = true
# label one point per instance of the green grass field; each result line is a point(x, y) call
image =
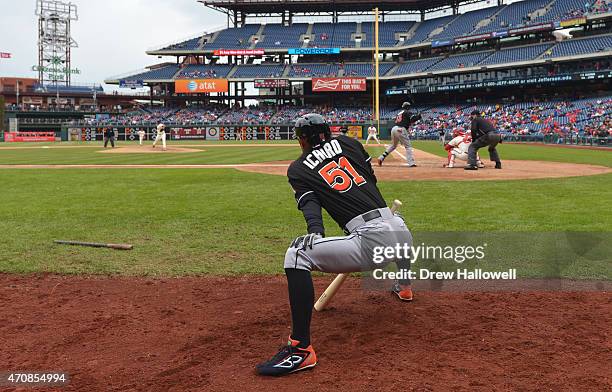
point(223, 221)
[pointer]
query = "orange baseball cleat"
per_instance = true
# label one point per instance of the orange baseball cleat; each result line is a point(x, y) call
point(404, 293)
point(289, 359)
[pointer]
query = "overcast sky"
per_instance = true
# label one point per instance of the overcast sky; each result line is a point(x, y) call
point(112, 35)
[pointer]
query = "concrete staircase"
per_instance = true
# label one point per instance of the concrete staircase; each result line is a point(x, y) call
point(437, 31)
point(232, 72)
point(286, 71)
point(410, 34)
point(307, 34)
point(392, 70)
point(541, 11)
point(487, 21)
point(212, 39)
point(259, 35)
point(357, 32)
point(551, 49)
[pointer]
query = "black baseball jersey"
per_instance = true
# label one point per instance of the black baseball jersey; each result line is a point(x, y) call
point(339, 176)
point(405, 118)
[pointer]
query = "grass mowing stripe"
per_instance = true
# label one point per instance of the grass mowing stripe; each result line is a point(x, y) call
point(223, 221)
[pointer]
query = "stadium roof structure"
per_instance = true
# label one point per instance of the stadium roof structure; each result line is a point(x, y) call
point(311, 6)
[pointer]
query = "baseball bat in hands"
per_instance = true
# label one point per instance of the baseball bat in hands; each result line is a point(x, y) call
point(333, 288)
point(96, 244)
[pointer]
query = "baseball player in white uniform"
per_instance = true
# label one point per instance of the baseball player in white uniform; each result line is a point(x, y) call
point(372, 132)
point(161, 135)
point(141, 135)
point(458, 147)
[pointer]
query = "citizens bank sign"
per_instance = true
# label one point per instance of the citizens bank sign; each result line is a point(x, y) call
point(56, 68)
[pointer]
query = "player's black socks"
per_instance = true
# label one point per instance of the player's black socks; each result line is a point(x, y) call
point(301, 299)
point(403, 264)
point(384, 155)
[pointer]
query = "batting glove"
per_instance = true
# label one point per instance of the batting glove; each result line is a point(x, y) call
point(305, 241)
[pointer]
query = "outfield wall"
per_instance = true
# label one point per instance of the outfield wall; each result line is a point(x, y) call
point(209, 132)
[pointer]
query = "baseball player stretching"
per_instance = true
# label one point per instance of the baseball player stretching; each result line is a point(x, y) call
point(457, 148)
point(334, 174)
point(372, 134)
point(161, 135)
point(399, 134)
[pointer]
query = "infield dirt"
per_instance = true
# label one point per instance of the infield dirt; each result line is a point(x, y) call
point(206, 334)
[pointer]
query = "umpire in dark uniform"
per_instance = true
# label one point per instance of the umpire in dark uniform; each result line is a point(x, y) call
point(109, 135)
point(483, 134)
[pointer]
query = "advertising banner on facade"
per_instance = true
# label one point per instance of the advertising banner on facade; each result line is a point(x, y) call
point(573, 22)
point(212, 133)
point(129, 83)
point(238, 52)
point(190, 134)
point(271, 83)
point(338, 84)
point(444, 42)
point(25, 136)
point(314, 51)
point(194, 86)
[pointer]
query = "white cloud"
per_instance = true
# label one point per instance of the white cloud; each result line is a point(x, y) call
point(112, 35)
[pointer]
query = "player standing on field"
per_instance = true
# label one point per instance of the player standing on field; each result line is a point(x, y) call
point(372, 134)
point(109, 136)
point(334, 174)
point(161, 135)
point(141, 135)
point(399, 134)
point(483, 134)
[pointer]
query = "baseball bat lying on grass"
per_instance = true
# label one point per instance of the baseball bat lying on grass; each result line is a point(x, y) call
point(334, 286)
point(96, 244)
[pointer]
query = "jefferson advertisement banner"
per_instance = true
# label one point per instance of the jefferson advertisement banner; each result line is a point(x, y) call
point(338, 84)
point(194, 86)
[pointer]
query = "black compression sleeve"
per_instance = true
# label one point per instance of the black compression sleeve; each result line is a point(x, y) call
point(301, 299)
point(311, 208)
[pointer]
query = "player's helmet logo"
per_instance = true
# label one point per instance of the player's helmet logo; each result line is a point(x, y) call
point(192, 85)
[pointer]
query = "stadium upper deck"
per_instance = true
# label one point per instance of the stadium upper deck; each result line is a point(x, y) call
point(272, 6)
point(483, 23)
point(488, 43)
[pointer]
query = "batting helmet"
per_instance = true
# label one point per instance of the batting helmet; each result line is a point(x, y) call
point(406, 105)
point(313, 128)
point(161, 127)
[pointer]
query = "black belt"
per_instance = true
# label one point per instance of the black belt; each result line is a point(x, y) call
point(371, 215)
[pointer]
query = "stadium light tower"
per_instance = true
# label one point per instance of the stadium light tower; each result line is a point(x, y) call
point(54, 41)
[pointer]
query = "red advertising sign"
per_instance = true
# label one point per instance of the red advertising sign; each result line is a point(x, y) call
point(338, 84)
point(29, 136)
point(238, 52)
point(4, 55)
